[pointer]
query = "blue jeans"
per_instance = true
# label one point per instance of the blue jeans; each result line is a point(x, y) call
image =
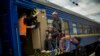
point(52, 44)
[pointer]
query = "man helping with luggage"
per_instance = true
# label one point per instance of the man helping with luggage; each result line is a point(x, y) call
point(25, 24)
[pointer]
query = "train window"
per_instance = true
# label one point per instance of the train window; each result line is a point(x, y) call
point(90, 30)
point(97, 30)
point(83, 29)
point(94, 30)
point(65, 25)
point(74, 28)
point(86, 29)
point(80, 29)
point(49, 22)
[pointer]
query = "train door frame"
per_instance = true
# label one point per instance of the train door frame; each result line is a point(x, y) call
point(28, 41)
point(10, 34)
point(13, 21)
point(41, 46)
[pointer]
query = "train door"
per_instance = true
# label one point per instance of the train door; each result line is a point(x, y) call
point(35, 36)
point(24, 32)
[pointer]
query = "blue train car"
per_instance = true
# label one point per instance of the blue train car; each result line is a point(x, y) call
point(78, 25)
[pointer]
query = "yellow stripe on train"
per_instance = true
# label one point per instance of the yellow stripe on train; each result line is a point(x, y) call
point(81, 35)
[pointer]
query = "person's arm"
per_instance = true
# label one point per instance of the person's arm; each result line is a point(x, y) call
point(31, 26)
point(34, 18)
point(36, 14)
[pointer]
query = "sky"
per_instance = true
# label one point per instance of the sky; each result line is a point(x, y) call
point(88, 8)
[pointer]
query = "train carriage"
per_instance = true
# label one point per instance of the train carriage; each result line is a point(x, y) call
point(76, 24)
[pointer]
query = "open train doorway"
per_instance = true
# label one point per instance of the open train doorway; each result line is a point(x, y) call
point(24, 32)
point(32, 25)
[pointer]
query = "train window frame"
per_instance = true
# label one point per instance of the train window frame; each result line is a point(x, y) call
point(80, 29)
point(83, 29)
point(97, 30)
point(86, 29)
point(74, 28)
point(93, 31)
point(49, 22)
point(63, 22)
point(90, 29)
